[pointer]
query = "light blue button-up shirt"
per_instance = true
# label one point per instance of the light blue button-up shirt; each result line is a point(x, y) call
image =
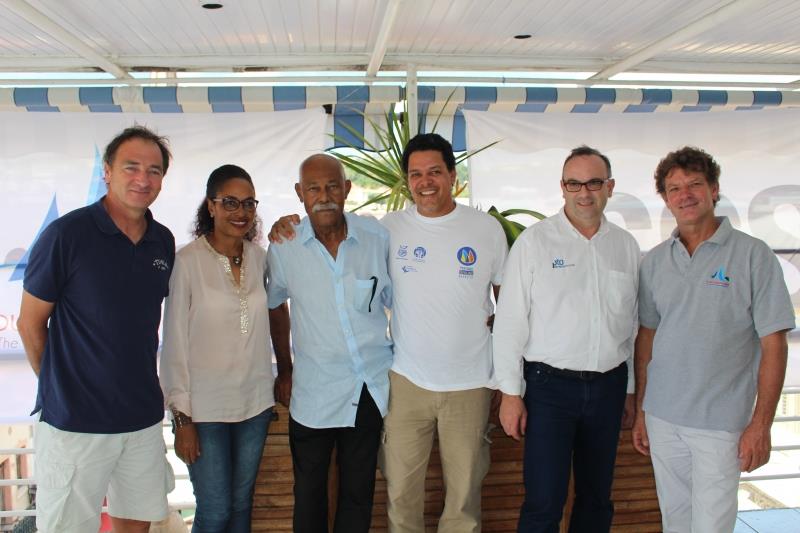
point(338, 318)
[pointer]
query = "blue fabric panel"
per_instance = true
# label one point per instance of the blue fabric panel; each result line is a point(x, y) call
point(712, 97)
point(600, 96)
point(347, 114)
point(162, 99)
point(459, 139)
point(482, 95)
point(640, 108)
point(426, 94)
point(695, 108)
point(33, 99)
point(422, 117)
point(767, 98)
point(531, 108)
point(225, 99)
point(288, 98)
point(541, 95)
point(476, 107)
point(586, 108)
point(358, 94)
point(750, 108)
point(99, 100)
point(656, 96)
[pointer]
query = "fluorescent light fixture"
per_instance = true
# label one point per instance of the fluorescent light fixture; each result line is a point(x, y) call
point(710, 78)
point(56, 76)
point(684, 87)
point(533, 75)
point(273, 74)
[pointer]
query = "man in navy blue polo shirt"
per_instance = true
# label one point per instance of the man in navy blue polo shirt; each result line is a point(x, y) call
point(89, 322)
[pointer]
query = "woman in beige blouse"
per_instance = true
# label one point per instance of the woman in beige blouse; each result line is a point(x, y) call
point(216, 362)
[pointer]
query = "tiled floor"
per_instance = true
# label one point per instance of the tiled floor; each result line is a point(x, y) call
point(769, 521)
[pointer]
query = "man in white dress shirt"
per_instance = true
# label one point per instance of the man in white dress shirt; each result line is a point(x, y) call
point(564, 328)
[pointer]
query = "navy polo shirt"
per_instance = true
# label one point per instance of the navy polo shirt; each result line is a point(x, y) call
point(98, 371)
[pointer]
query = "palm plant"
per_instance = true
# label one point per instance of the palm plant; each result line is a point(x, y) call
point(381, 162)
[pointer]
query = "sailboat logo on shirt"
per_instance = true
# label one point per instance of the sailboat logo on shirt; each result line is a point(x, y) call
point(466, 256)
point(719, 278)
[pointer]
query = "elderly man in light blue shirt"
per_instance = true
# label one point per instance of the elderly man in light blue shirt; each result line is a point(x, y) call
point(335, 276)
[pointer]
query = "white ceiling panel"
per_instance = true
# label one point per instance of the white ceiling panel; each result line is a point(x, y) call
point(577, 35)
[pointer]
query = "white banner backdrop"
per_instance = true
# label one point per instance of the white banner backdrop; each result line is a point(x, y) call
point(758, 152)
point(50, 165)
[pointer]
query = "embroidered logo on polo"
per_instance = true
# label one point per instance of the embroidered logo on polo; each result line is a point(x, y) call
point(402, 252)
point(161, 264)
point(419, 253)
point(560, 262)
point(719, 278)
point(408, 268)
point(467, 257)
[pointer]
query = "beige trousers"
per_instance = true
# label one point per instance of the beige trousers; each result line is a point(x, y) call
point(460, 419)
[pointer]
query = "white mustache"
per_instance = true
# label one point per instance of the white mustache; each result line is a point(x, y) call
point(329, 206)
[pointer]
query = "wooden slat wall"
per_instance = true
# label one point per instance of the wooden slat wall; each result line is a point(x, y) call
point(636, 505)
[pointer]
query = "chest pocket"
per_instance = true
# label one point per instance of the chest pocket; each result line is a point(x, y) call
point(364, 294)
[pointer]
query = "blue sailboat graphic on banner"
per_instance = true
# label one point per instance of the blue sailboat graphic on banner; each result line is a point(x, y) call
point(19, 269)
point(97, 189)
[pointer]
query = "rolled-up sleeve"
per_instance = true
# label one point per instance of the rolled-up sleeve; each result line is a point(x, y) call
point(174, 367)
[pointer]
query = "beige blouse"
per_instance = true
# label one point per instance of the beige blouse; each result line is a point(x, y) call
point(216, 360)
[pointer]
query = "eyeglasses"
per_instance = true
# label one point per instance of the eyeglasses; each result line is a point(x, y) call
point(592, 185)
point(229, 203)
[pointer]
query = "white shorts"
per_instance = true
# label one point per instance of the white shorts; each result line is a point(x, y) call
point(75, 471)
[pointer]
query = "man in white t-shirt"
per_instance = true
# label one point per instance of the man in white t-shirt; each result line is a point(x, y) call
point(445, 258)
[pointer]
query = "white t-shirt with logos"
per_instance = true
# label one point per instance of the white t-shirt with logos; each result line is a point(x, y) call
point(442, 270)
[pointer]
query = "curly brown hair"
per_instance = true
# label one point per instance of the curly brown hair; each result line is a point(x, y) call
point(690, 159)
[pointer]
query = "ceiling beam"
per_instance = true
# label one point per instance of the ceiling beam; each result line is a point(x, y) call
point(24, 10)
point(690, 30)
point(389, 16)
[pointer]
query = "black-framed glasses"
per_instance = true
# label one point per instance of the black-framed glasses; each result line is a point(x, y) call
point(229, 203)
point(592, 185)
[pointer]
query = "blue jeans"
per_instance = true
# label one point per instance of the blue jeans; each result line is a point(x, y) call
point(570, 422)
point(224, 475)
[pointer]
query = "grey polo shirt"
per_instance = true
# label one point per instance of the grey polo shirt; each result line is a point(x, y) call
point(709, 311)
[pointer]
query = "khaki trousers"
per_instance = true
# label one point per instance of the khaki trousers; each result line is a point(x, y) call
point(459, 418)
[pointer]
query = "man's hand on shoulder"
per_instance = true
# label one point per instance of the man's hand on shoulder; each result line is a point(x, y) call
point(283, 228)
point(754, 446)
point(513, 416)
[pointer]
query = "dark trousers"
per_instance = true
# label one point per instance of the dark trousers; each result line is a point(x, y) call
point(570, 421)
point(356, 457)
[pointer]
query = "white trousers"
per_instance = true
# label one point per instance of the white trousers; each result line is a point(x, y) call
point(697, 476)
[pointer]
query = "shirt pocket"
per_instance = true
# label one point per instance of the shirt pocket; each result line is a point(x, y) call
point(620, 300)
point(364, 291)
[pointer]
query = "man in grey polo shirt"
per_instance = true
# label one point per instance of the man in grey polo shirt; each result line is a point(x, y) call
point(714, 311)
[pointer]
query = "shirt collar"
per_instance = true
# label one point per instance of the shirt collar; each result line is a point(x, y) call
point(719, 237)
point(306, 230)
point(107, 225)
point(572, 230)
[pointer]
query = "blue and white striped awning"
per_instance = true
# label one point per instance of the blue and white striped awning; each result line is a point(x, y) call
point(346, 103)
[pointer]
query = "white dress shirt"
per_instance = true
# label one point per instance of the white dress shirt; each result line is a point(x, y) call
point(567, 301)
point(216, 362)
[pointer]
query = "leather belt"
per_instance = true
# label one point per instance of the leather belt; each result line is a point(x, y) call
point(582, 375)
